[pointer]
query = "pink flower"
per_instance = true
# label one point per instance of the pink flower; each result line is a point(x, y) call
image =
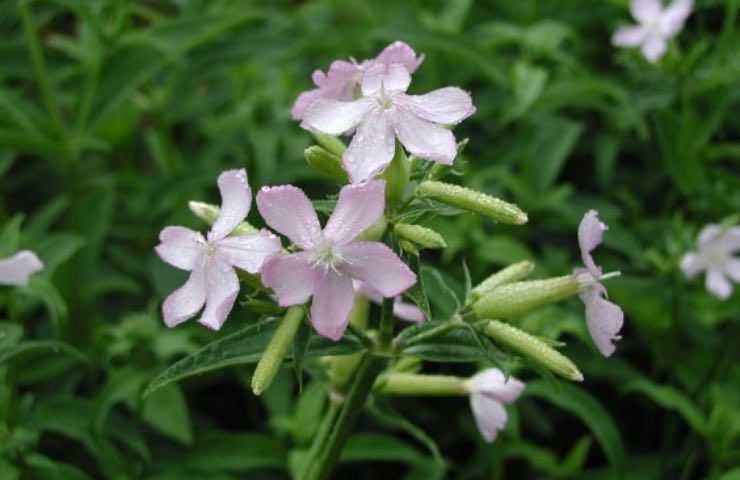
point(604, 319)
point(331, 258)
point(401, 309)
point(656, 26)
point(385, 112)
point(211, 260)
point(343, 78)
point(16, 269)
point(717, 247)
point(489, 391)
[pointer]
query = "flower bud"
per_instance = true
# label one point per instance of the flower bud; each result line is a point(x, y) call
point(325, 162)
point(421, 236)
point(395, 383)
point(514, 299)
point(533, 348)
point(332, 144)
point(396, 177)
point(209, 213)
point(472, 201)
point(274, 354)
point(512, 273)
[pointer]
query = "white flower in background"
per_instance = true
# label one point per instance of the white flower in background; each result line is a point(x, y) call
point(16, 269)
point(716, 256)
point(656, 25)
point(489, 391)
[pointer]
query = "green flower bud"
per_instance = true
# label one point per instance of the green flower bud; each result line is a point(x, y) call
point(325, 162)
point(407, 365)
point(512, 273)
point(332, 144)
point(394, 383)
point(209, 213)
point(274, 354)
point(409, 247)
point(533, 348)
point(396, 176)
point(514, 299)
point(472, 201)
point(422, 236)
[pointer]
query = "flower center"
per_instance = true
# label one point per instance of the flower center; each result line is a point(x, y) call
point(384, 100)
point(326, 257)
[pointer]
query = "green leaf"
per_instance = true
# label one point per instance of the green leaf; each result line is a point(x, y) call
point(234, 452)
point(417, 293)
point(554, 141)
point(39, 347)
point(167, 411)
point(459, 345)
point(672, 399)
point(40, 467)
point(375, 447)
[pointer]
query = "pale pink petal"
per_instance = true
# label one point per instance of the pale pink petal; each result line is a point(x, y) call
point(645, 11)
point(717, 284)
point(675, 15)
point(408, 312)
point(492, 383)
point(732, 269)
point(604, 319)
point(709, 234)
point(290, 277)
point(628, 36)
point(369, 292)
point(378, 266)
point(692, 264)
point(448, 105)
point(371, 149)
point(286, 209)
point(335, 117)
point(236, 199)
point(249, 252)
point(372, 80)
point(397, 78)
point(400, 52)
point(654, 48)
point(223, 288)
point(181, 247)
point(590, 235)
point(425, 139)
point(16, 269)
point(731, 239)
point(490, 416)
point(303, 101)
point(332, 301)
point(187, 300)
point(358, 207)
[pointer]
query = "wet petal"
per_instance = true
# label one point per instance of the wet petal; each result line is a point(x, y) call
point(249, 252)
point(290, 277)
point(371, 149)
point(396, 78)
point(335, 117)
point(16, 269)
point(378, 266)
point(359, 206)
point(490, 415)
point(692, 263)
point(332, 302)
point(645, 11)
point(654, 48)
point(425, 139)
point(303, 101)
point(590, 235)
point(286, 209)
point(400, 52)
point(408, 312)
point(628, 36)
point(223, 288)
point(187, 300)
point(181, 247)
point(717, 284)
point(493, 383)
point(236, 199)
point(604, 319)
point(446, 106)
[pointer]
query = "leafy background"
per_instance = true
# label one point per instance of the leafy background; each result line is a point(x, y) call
point(115, 113)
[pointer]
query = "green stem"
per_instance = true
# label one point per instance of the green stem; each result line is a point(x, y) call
point(386, 323)
point(320, 465)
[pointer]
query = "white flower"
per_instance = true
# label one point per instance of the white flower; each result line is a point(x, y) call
point(716, 256)
point(489, 391)
point(656, 25)
point(16, 269)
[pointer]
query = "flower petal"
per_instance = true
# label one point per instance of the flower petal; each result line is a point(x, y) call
point(490, 416)
point(290, 277)
point(397, 78)
point(181, 247)
point(303, 101)
point(628, 36)
point(332, 302)
point(732, 269)
point(335, 117)
point(371, 149)
point(645, 11)
point(654, 48)
point(187, 300)
point(223, 288)
point(400, 52)
point(692, 263)
point(709, 234)
point(408, 312)
point(493, 383)
point(604, 319)
point(717, 284)
point(16, 269)
point(249, 252)
point(676, 14)
point(236, 199)
point(378, 266)
point(286, 209)
point(448, 105)
point(590, 235)
point(425, 139)
point(358, 207)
